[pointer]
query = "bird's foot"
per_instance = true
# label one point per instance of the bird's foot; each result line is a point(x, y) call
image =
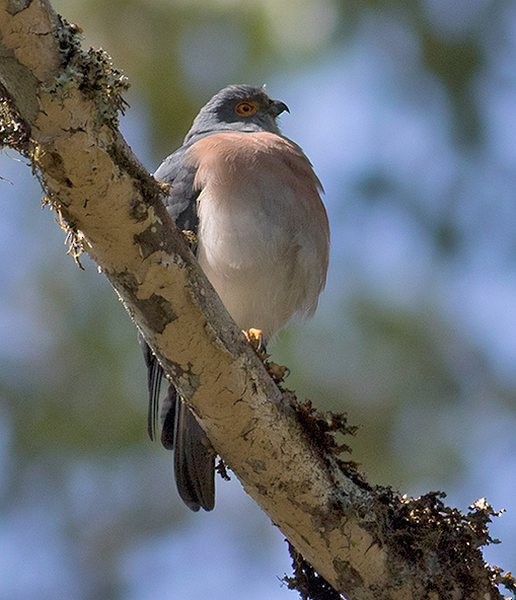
point(255, 338)
point(191, 239)
point(165, 187)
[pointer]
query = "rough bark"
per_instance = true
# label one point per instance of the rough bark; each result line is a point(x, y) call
point(59, 108)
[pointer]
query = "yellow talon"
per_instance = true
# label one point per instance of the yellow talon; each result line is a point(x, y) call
point(191, 239)
point(255, 338)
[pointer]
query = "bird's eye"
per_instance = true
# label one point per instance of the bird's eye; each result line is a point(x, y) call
point(246, 109)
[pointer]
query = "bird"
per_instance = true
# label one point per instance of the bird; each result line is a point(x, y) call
point(249, 198)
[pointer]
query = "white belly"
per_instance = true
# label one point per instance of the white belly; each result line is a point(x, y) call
point(265, 268)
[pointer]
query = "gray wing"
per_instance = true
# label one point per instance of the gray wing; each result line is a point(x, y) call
point(181, 202)
point(194, 460)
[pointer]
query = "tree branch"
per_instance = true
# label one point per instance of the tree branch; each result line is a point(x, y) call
point(59, 108)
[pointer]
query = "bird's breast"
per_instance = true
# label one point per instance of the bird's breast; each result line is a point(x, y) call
point(263, 233)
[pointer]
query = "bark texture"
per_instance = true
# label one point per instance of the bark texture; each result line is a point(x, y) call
point(59, 107)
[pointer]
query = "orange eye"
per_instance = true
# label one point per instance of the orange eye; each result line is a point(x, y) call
point(246, 109)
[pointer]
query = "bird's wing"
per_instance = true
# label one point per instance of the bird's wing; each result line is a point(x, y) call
point(180, 203)
point(194, 458)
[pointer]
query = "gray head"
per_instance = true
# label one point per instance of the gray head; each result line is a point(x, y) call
point(238, 108)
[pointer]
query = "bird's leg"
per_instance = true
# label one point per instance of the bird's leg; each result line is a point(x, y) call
point(191, 239)
point(256, 339)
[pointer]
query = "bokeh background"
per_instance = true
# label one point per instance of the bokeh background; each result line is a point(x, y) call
point(408, 112)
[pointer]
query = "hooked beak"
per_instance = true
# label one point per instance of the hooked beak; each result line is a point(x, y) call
point(277, 107)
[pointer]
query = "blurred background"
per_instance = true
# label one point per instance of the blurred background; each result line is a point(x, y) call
point(408, 112)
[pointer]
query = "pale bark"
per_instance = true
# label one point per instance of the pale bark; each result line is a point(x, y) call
point(365, 542)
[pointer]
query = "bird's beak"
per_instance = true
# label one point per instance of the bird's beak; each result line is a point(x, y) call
point(277, 107)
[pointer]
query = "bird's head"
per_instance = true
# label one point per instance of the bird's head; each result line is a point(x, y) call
point(238, 108)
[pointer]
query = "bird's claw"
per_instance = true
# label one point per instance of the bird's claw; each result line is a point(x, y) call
point(191, 239)
point(255, 338)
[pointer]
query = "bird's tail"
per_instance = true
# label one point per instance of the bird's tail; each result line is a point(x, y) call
point(194, 457)
point(194, 460)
